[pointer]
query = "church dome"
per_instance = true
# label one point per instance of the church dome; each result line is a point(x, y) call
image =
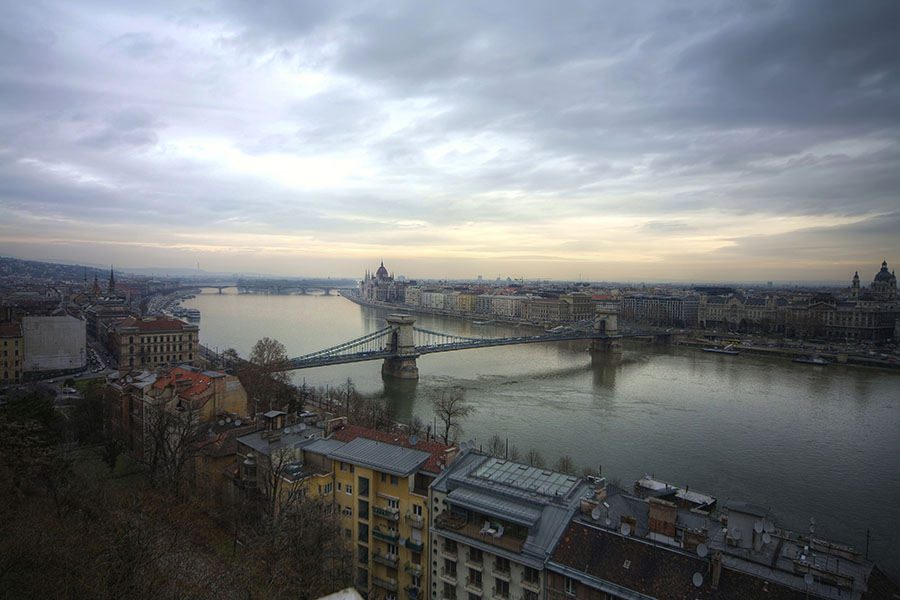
point(381, 271)
point(883, 274)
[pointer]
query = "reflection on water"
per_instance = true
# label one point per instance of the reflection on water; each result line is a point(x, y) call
point(807, 441)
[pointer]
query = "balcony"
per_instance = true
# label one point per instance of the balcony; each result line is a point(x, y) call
point(448, 551)
point(501, 571)
point(385, 584)
point(413, 592)
point(475, 563)
point(473, 585)
point(448, 575)
point(413, 569)
point(500, 592)
point(532, 585)
point(415, 546)
point(388, 560)
point(386, 535)
point(507, 541)
point(417, 521)
point(385, 512)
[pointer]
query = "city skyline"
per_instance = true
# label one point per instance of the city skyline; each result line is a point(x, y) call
point(621, 143)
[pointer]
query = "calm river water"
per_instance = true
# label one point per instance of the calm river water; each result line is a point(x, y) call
point(807, 441)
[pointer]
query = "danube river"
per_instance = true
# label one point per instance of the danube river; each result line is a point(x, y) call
point(806, 441)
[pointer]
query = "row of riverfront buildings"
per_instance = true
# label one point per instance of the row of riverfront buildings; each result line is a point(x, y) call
point(856, 313)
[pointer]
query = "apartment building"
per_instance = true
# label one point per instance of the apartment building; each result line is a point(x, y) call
point(381, 485)
point(12, 346)
point(495, 525)
point(155, 342)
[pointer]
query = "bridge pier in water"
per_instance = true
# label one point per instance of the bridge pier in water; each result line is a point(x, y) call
point(402, 364)
point(607, 348)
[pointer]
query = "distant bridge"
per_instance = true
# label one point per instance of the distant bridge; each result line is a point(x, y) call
point(275, 286)
point(400, 343)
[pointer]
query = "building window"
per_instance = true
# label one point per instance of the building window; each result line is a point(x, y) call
point(394, 480)
point(383, 478)
point(339, 486)
point(501, 588)
point(363, 484)
point(393, 503)
point(417, 510)
point(328, 489)
point(392, 549)
point(343, 467)
point(348, 534)
point(348, 511)
point(570, 586)
point(532, 575)
point(363, 509)
point(348, 489)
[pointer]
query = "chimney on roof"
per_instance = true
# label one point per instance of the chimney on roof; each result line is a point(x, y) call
point(716, 570)
point(662, 517)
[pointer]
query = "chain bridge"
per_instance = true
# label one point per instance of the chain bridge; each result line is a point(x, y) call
point(400, 343)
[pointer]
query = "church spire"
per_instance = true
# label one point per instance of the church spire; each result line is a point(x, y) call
point(111, 288)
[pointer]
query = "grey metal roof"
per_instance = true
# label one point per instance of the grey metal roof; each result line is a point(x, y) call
point(387, 458)
point(320, 446)
point(494, 505)
point(524, 477)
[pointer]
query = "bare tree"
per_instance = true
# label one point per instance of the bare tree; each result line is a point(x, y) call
point(450, 408)
point(565, 464)
point(168, 436)
point(496, 446)
point(302, 554)
point(534, 458)
point(265, 376)
point(514, 453)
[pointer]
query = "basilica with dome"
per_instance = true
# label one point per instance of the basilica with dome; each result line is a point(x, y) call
point(883, 288)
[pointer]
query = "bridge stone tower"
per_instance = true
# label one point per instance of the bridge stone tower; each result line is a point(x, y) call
point(403, 364)
point(608, 343)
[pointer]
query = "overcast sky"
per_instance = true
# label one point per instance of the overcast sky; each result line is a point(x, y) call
point(616, 140)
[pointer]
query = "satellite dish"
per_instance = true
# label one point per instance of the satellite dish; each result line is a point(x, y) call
point(221, 422)
point(228, 419)
point(595, 514)
point(702, 550)
point(758, 527)
point(769, 527)
point(471, 444)
point(625, 529)
point(808, 578)
point(608, 521)
point(698, 579)
point(237, 423)
point(287, 430)
point(402, 541)
point(413, 440)
point(767, 538)
point(301, 426)
point(736, 533)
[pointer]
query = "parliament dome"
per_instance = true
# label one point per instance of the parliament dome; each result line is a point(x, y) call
point(883, 274)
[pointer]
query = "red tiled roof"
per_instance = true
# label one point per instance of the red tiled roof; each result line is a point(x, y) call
point(656, 571)
point(10, 330)
point(350, 432)
point(199, 382)
point(155, 324)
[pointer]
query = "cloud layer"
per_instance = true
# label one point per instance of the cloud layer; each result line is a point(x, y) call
point(713, 141)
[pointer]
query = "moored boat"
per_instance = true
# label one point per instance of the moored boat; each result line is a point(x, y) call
point(812, 360)
point(729, 349)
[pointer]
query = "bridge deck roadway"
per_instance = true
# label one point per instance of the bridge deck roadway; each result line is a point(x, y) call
point(461, 345)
